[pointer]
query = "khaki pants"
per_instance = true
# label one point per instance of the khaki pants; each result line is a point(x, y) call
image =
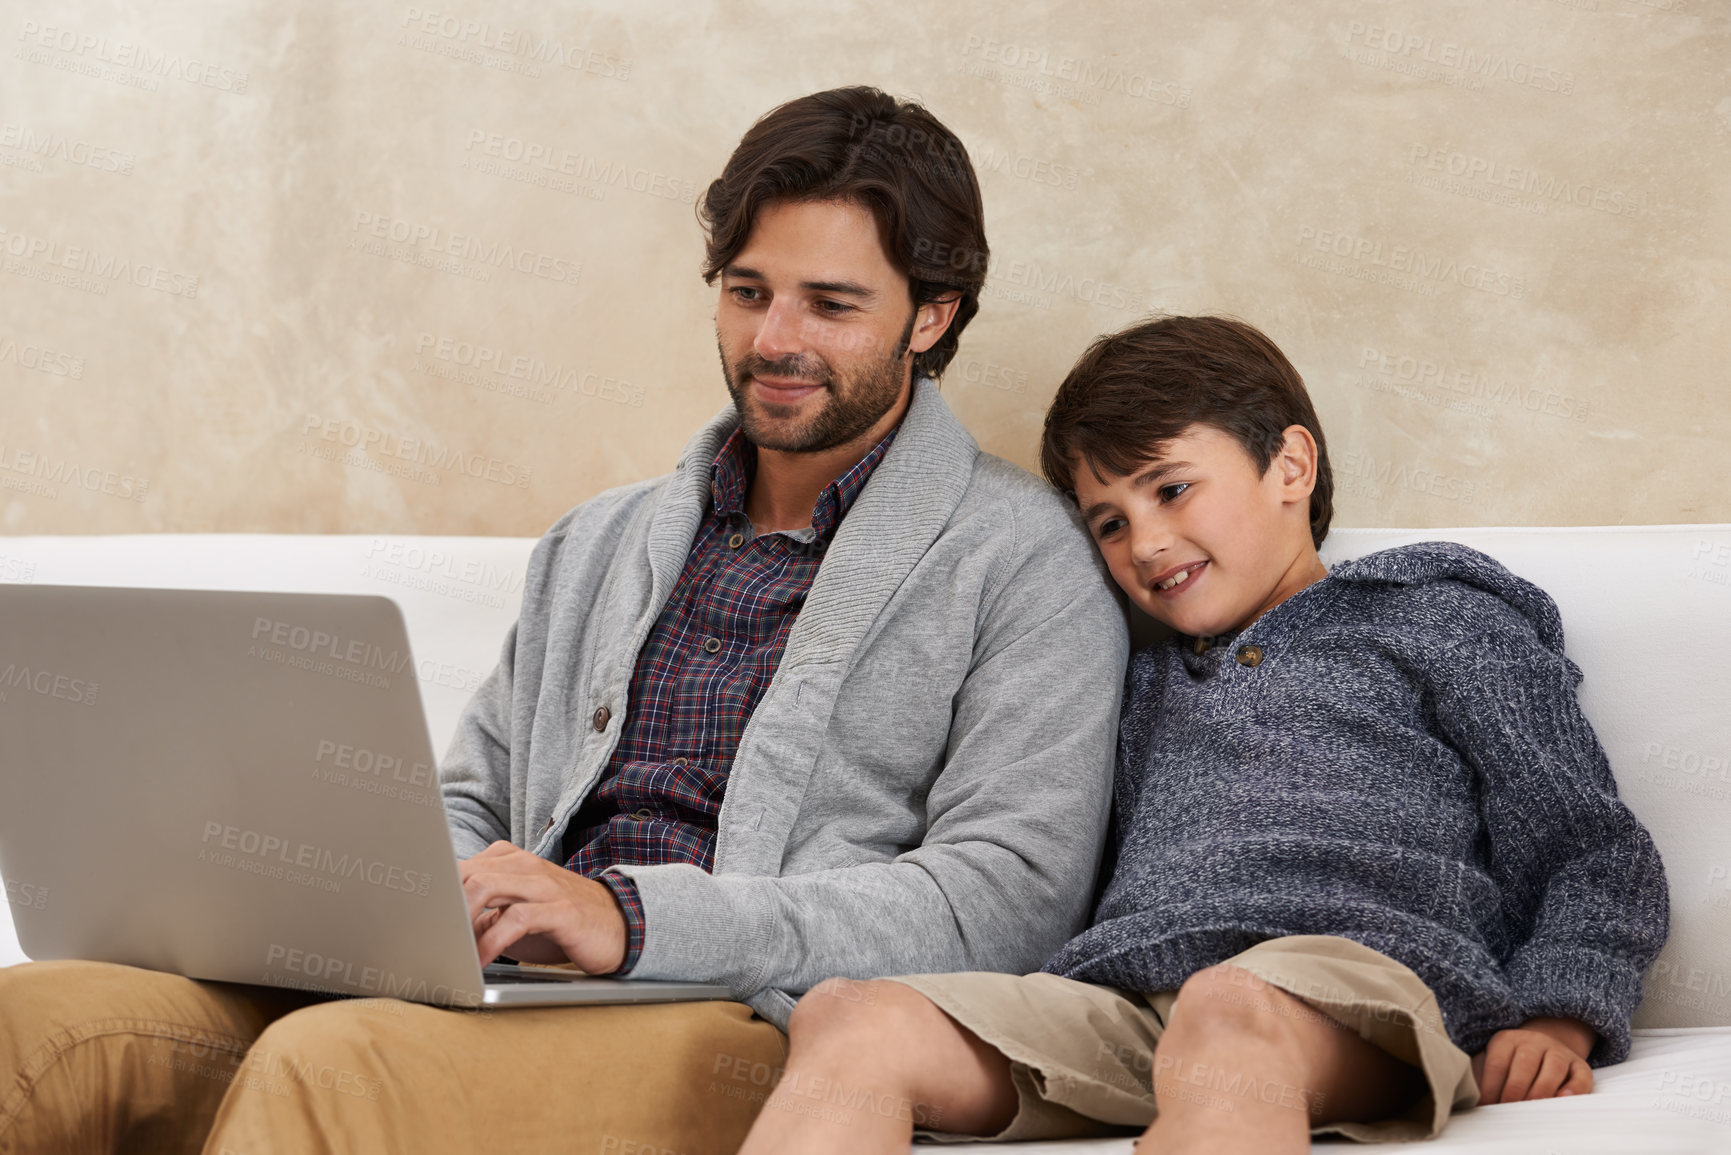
point(96, 1057)
point(1083, 1057)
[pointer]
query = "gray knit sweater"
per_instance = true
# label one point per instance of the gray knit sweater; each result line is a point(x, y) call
point(1406, 766)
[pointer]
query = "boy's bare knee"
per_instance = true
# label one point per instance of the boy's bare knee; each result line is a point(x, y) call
point(1225, 999)
point(853, 1007)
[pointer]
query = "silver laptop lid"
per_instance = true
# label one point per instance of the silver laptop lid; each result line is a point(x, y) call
point(195, 848)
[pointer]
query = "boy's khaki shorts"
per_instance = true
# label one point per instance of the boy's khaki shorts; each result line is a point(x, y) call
point(1083, 1056)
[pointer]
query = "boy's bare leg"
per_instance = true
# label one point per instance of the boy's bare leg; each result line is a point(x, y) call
point(1244, 1066)
point(867, 1063)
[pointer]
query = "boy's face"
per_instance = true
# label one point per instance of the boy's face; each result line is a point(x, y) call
point(1198, 514)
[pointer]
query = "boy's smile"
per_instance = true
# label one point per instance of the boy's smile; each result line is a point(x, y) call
point(1199, 540)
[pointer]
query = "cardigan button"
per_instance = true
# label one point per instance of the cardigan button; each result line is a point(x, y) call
point(599, 721)
point(1249, 655)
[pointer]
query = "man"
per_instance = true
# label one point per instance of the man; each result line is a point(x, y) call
point(825, 701)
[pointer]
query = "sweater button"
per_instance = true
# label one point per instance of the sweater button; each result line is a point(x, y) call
point(599, 721)
point(1249, 655)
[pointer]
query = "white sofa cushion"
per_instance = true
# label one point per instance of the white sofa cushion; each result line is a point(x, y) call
point(1646, 611)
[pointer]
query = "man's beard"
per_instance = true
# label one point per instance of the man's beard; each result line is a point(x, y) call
point(848, 411)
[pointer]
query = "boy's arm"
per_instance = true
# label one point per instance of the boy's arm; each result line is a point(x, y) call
point(1584, 895)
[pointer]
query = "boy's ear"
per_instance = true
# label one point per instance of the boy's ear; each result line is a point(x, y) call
point(1297, 460)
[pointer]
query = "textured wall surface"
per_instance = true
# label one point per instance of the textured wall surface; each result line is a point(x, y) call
point(334, 267)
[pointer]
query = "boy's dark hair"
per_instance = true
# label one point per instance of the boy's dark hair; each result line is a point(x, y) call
point(891, 157)
point(1134, 390)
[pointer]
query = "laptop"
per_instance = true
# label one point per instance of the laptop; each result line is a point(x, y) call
point(240, 786)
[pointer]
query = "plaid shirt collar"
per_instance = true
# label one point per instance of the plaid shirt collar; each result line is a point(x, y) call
point(735, 465)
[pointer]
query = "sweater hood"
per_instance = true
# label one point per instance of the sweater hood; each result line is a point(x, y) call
point(1433, 561)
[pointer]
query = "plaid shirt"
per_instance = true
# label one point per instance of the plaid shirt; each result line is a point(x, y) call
point(697, 680)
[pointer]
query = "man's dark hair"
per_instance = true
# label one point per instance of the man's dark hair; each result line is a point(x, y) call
point(1136, 390)
point(891, 157)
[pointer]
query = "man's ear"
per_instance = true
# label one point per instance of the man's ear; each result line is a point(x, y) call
point(1297, 462)
point(931, 320)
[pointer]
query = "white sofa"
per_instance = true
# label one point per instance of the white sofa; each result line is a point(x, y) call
point(1647, 610)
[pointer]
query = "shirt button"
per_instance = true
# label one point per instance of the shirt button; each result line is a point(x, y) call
point(712, 644)
point(599, 721)
point(682, 762)
point(642, 815)
point(736, 541)
point(1249, 655)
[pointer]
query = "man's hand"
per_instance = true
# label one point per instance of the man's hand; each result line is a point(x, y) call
point(1539, 1059)
point(540, 912)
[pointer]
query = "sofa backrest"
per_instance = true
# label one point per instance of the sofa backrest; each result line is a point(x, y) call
point(1646, 612)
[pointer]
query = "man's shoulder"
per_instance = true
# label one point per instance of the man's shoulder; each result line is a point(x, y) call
point(1003, 497)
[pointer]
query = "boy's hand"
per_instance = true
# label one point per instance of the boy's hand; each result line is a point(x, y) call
point(1536, 1060)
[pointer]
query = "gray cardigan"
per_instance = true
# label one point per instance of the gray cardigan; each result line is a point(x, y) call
point(924, 785)
point(1403, 763)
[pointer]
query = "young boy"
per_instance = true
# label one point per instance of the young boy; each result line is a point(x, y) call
point(1367, 860)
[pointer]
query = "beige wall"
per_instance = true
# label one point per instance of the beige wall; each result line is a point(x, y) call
point(1493, 237)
